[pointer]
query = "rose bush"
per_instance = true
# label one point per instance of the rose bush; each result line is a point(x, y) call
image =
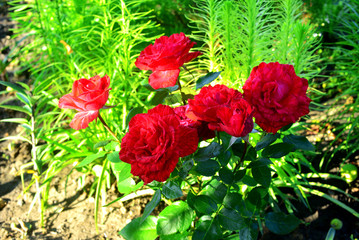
point(277, 94)
point(87, 97)
point(165, 57)
point(154, 143)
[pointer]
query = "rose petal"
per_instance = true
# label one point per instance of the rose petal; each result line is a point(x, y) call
point(81, 120)
point(163, 79)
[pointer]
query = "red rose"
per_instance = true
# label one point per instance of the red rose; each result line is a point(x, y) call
point(236, 120)
point(277, 94)
point(87, 97)
point(205, 104)
point(164, 58)
point(203, 131)
point(154, 143)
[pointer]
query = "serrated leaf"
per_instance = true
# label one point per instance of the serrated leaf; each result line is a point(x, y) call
point(204, 204)
point(215, 190)
point(207, 168)
point(176, 236)
point(171, 190)
point(114, 157)
point(121, 170)
point(136, 230)
point(206, 79)
point(102, 144)
point(230, 219)
point(262, 175)
point(186, 167)
point(158, 98)
point(299, 142)
point(226, 175)
point(280, 223)
point(248, 231)
point(206, 229)
point(266, 141)
point(176, 218)
point(90, 159)
point(277, 150)
point(206, 153)
point(156, 199)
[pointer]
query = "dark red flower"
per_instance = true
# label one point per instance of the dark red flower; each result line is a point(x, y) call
point(165, 57)
point(277, 94)
point(87, 97)
point(236, 120)
point(203, 131)
point(154, 143)
point(205, 104)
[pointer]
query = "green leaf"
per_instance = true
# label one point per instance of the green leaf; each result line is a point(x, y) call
point(248, 230)
point(14, 87)
point(102, 144)
point(114, 157)
point(24, 109)
point(277, 150)
point(207, 168)
point(239, 175)
point(186, 167)
point(230, 219)
point(280, 223)
point(176, 236)
point(128, 185)
point(90, 159)
point(156, 199)
point(266, 141)
point(224, 158)
point(15, 120)
point(215, 190)
point(249, 181)
point(136, 230)
point(260, 163)
point(171, 190)
point(206, 229)
point(262, 175)
point(176, 218)
point(204, 204)
point(211, 151)
point(121, 170)
point(299, 142)
point(226, 175)
point(132, 113)
point(24, 98)
point(159, 97)
point(206, 79)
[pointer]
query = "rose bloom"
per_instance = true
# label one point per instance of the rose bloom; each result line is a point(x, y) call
point(155, 142)
point(87, 97)
point(203, 131)
point(204, 106)
point(277, 94)
point(237, 119)
point(164, 58)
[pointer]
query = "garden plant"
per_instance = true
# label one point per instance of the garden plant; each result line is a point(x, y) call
point(207, 110)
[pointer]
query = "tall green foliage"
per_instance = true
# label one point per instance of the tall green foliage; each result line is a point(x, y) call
point(238, 35)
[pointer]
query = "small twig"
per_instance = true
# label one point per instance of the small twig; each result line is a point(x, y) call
point(107, 127)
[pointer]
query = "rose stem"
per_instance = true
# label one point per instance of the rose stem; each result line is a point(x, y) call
point(107, 127)
point(182, 94)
